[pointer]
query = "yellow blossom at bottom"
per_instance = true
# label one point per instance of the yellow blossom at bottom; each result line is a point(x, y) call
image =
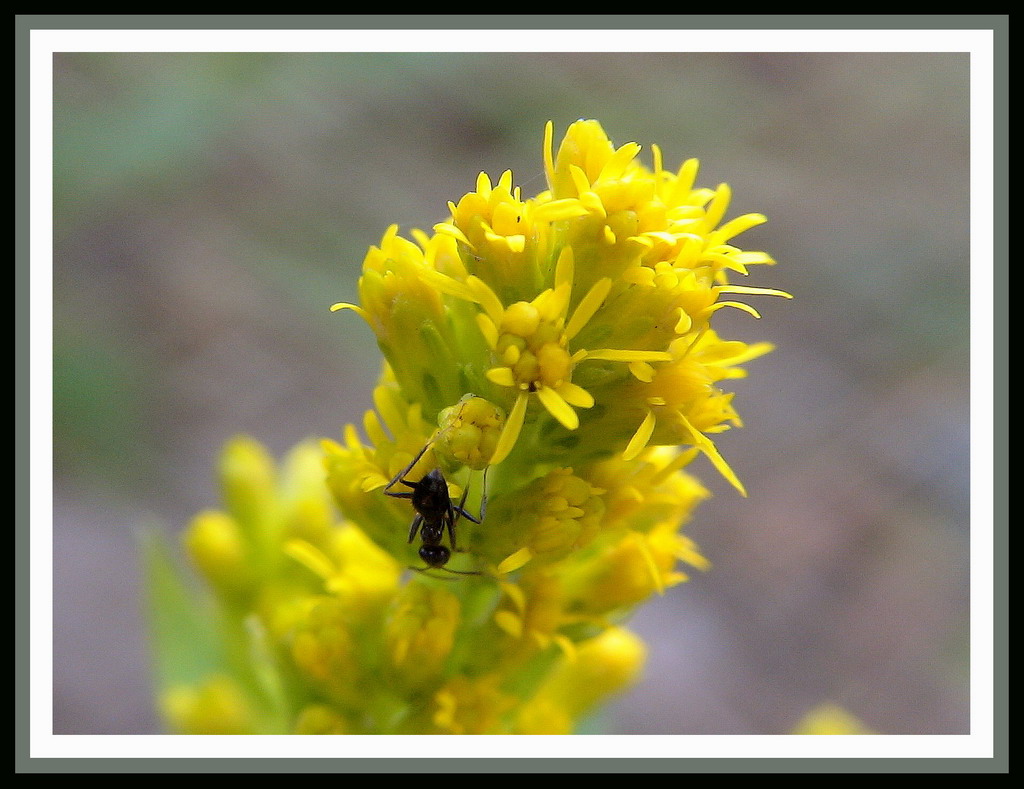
point(217, 706)
point(830, 719)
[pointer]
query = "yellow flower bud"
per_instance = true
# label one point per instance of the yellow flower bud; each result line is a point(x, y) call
point(214, 542)
point(602, 667)
point(469, 431)
point(321, 719)
point(218, 706)
point(420, 632)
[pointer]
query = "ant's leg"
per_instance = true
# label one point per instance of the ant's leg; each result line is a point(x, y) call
point(453, 516)
point(415, 527)
point(402, 473)
point(461, 508)
point(483, 496)
point(483, 503)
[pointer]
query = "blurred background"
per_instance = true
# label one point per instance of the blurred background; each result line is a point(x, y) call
point(210, 207)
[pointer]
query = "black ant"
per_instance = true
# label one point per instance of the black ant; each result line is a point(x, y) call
point(435, 513)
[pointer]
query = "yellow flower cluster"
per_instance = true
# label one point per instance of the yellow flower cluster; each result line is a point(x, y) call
point(593, 299)
point(520, 486)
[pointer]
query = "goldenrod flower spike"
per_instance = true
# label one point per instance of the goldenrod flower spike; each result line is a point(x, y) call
point(454, 563)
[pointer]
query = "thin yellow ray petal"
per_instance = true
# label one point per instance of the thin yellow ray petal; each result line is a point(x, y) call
point(645, 551)
point(612, 355)
point(640, 437)
point(512, 563)
point(509, 622)
point(731, 262)
point(565, 267)
point(718, 206)
point(688, 173)
point(642, 371)
point(310, 557)
point(514, 592)
point(510, 433)
point(502, 376)
point(446, 284)
point(483, 185)
point(737, 304)
point(619, 161)
point(588, 306)
point(486, 298)
point(566, 645)
point(372, 481)
point(558, 408)
point(685, 322)
point(576, 395)
point(563, 208)
point(734, 227)
point(553, 303)
point(579, 179)
point(549, 162)
point(374, 429)
point(751, 352)
point(754, 258)
point(684, 458)
point(487, 329)
point(449, 229)
point(753, 291)
point(344, 305)
point(707, 446)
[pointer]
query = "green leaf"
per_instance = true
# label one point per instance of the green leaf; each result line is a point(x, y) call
point(182, 625)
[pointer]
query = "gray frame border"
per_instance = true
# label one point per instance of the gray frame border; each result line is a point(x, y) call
point(998, 24)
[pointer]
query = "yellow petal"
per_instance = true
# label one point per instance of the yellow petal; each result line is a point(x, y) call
point(502, 376)
point(558, 408)
point(566, 645)
point(685, 322)
point(588, 306)
point(510, 433)
point(509, 622)
point(342, 305)
point(549, 162)
point(579, 179)
point(486, 298)
point(556, 210)
point(719, 205)
point(448, 229)
point(565, 267)
point(576, 395)
point(514, 592)
point(618, 162)
point(753, 291)
point(652, 566)
point(736, 226)
point(612, 355)
point(487, 329)
point(512, 563)
point(446, 284)
point(642, 371)
point(707, 446)
point(311, 557)
point(640, 437)
point(737, 304)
